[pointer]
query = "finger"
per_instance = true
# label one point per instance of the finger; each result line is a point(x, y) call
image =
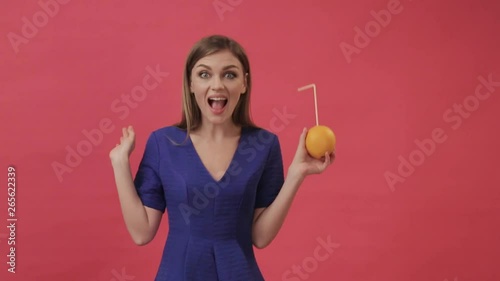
point(327, 159)
point(302, 138)
point(131, 131)
point(124, 131)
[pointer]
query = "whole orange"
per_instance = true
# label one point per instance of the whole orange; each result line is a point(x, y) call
point(320, 139)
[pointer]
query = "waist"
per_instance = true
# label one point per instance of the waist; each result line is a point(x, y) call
point(211, 234)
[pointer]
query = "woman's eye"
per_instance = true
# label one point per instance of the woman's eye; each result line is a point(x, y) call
point(230, 75)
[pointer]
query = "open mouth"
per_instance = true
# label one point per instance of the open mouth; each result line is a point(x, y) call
point(217, 103)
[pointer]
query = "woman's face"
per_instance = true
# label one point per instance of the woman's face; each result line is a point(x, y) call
point(217, 82)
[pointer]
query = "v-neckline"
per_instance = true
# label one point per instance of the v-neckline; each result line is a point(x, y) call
point(233, 158)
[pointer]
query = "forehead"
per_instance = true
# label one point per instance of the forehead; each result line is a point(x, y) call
point(219, 60)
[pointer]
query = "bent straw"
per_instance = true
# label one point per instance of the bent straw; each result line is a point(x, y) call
point(315, 99)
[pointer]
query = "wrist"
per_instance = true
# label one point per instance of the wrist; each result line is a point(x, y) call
point(120, 162)
point(295, 175)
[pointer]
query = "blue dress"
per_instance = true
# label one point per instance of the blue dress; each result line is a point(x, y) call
point(210, 221)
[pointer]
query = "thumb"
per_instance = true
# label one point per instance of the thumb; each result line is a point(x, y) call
point(302, 138)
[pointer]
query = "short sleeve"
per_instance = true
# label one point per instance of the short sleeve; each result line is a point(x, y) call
point(272, 178)
point(147, 181)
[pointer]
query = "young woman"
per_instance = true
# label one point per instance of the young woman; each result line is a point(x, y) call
point(218, 175)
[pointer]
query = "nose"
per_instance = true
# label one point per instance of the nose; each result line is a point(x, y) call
point(217, 84)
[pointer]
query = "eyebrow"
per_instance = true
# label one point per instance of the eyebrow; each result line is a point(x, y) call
point(226, 67)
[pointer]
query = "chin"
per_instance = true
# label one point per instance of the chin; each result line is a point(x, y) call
point(218, 120)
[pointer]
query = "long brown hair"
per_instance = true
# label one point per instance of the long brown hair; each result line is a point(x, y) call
point(191, 114)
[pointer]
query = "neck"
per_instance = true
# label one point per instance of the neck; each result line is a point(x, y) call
point(216, 132)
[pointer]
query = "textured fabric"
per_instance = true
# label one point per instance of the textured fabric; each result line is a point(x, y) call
point(210, 221)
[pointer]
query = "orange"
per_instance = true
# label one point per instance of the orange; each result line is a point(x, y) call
point(320, 140)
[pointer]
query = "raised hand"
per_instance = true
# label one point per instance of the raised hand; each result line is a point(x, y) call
point(126, 146)
point(303, 164)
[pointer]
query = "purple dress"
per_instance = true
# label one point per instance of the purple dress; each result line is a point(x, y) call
point(210, 222)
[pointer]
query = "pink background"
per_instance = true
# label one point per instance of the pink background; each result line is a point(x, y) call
point(439, 222)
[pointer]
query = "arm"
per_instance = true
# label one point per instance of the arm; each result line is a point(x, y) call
point(142, 222)
point(269, 220)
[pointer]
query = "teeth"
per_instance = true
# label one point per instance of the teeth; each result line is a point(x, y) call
point(217, 99)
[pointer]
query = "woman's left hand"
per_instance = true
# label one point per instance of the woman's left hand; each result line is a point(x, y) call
point(303, 164)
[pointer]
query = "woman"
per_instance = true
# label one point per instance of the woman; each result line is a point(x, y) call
point(219, 176)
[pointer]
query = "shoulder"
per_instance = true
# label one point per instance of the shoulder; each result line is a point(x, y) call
point(170, 129)
point(261, 135)
point(261, 141)
point(263, 145)
point(169, 133)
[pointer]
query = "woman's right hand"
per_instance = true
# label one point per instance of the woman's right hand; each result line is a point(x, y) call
point(123, 150)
